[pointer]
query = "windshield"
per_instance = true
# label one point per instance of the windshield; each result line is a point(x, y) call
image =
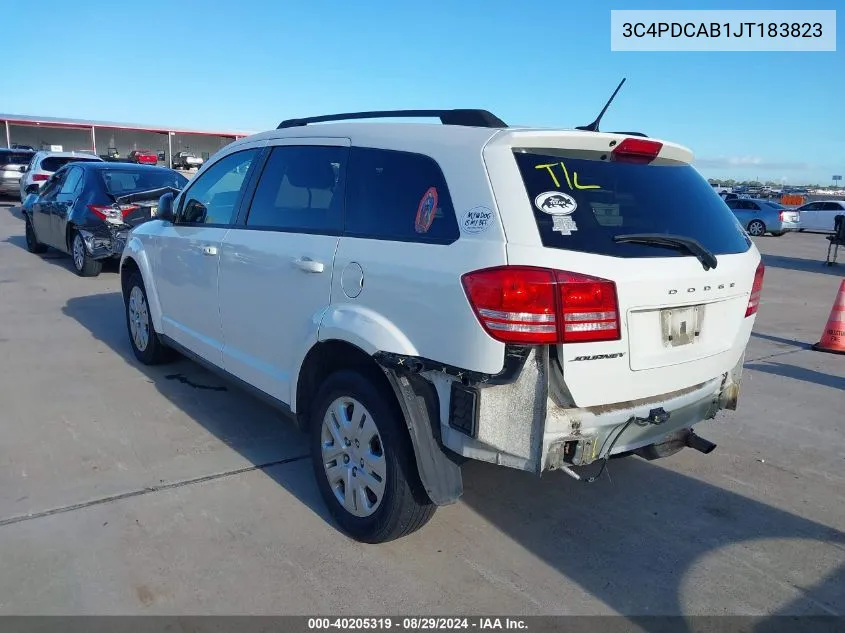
point(581, 205)
point(15, 158)
point(123, 181)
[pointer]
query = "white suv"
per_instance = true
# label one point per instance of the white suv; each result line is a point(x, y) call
point(415, 295)
point(44, 164)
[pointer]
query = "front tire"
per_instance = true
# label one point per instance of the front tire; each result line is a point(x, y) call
point(756, 228)
point(145, 342)
point(364, 462)
point(83, 263)
point(32, 243)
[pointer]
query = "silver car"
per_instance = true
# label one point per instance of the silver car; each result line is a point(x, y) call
point(12, 162)
point(764, 216)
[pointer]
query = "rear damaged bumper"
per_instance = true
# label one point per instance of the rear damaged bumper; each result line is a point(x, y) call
point(105, 242)
point(524, 420)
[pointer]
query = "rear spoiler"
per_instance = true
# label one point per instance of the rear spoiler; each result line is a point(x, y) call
point(148, 194)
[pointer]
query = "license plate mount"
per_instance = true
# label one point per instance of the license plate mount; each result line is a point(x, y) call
point(681, 326)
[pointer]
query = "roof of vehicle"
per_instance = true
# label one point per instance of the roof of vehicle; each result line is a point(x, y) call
point(106, 165)
point(419, 136)
point(84, 155)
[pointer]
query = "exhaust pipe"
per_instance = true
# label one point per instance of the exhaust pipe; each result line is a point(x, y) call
point(700, 444)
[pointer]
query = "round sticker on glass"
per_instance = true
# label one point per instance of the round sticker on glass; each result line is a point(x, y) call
point(555, 203)
point(477, 220)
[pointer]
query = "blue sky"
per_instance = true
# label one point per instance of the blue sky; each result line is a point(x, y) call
point(248, 64)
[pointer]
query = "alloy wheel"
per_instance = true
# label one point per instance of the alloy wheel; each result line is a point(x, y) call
point(78, 253)
point(139, 319)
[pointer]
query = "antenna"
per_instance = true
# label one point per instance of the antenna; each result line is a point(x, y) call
point(594, 126)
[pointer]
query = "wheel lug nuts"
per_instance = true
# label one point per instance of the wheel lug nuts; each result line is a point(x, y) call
point(357, 444)
point(354, 472)
point(346, 459)
point(362, 463)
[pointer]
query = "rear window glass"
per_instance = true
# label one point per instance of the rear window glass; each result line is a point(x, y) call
point(120, 182)
point(398, 196)
point(53, 163)
point(15, 158)
point(582, 204)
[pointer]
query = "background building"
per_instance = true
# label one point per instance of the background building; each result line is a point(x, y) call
point(106, 138)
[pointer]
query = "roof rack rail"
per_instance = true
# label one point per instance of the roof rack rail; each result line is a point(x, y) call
point(470, 118)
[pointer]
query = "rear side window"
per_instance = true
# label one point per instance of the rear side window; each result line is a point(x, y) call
point(300, 189)
point(399, 196)
point(581, 205)
point(72, 182)
point(52, 163)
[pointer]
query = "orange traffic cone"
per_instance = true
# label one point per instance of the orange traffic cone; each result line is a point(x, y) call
point(833, 337)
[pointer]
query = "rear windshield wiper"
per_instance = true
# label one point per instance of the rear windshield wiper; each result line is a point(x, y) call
point(708, 260)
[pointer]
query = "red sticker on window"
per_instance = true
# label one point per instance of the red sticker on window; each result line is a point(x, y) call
point(426, 211)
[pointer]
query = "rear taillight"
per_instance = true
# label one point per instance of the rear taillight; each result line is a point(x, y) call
point(522, 304)
point(636, 150)
point(780, 216)
point(589, 308)
point(40, 177)
point(112, 213)
point(756, 289)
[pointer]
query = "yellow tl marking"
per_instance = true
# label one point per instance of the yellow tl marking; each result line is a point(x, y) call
point(551, 173)
point(577, 186)
point(566, 173)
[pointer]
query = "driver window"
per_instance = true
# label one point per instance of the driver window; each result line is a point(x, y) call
point(214, 197)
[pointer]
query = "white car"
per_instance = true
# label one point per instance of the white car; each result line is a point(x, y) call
point(820, 215)
point(44, 164)
point(415, 295)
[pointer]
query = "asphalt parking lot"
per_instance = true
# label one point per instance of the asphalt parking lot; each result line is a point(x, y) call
point(126, 489)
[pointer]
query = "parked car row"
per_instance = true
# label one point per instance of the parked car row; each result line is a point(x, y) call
point(22, 168)
point(86, 208)
point(760, 216)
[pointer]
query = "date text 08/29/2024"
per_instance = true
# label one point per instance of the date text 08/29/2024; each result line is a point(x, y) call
point(419, 623)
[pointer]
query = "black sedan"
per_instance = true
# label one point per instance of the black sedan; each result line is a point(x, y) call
point(87, 209)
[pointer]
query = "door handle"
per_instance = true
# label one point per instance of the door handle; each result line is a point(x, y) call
point(308, 265)
point(209, 251)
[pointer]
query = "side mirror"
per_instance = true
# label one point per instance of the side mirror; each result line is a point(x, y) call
point(165, 207)
point(31, 189)
point(22, 169)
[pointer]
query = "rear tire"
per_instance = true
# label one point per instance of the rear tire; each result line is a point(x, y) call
point(756, 228)
point(364, 462)
point(32, 243)
point(145, 341)
point(83, 263)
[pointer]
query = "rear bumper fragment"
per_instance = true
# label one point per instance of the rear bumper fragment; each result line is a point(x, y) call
point(527, 422)
point(105, 242)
